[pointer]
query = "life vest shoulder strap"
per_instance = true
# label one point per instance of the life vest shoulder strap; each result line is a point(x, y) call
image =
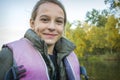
point(72, 66)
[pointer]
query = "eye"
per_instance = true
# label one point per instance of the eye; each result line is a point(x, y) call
point(44, 20)
point(60, 22)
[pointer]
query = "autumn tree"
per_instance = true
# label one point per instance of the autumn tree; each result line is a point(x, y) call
point(114, 7)
point(112, 32)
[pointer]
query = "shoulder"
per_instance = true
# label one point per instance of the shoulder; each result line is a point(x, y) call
point(6, 57)
point(6, 61)
point(5, 53)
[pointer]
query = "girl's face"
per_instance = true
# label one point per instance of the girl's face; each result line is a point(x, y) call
point(49, 23)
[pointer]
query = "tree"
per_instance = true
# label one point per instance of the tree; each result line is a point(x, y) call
point(114, 6)
point(112, 33)
point(97, 18)
point(92, 17)
point(112, 3)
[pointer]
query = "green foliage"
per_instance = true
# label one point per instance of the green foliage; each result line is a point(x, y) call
point(98, 34)
point(112, 3)
point(112, 33)
point(95, 40)
point(92, 16)
point(97, 18)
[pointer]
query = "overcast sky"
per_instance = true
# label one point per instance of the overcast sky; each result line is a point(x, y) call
point(15, 14)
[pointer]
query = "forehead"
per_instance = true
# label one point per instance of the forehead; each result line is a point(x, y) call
point(49, 7)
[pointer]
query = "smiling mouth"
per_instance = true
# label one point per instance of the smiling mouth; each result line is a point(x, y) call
point(50, 35)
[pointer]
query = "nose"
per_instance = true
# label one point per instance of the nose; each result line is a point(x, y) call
point(51, 26)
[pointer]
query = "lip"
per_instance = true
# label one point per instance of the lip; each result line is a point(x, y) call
point(49, 35)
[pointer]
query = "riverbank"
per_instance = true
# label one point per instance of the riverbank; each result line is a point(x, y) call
point(105, 57)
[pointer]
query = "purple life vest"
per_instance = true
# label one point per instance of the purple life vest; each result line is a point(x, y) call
point(36, 69)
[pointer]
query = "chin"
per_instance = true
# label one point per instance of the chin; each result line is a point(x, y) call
point(50, 42)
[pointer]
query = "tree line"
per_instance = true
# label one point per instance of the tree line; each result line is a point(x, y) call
point(98, 34)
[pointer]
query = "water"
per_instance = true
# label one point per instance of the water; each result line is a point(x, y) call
point(107, 70)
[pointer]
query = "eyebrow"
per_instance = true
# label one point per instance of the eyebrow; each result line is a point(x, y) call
point(44, 16)
point(60, 18)
point(48, 16)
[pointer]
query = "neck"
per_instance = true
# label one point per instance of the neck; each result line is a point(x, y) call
point(50, 49)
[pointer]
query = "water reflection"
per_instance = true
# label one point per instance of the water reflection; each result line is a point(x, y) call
point(107, 70)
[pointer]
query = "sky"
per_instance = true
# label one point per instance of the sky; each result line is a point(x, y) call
point(15, 15)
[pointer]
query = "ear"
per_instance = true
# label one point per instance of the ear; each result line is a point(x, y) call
point(32, 24)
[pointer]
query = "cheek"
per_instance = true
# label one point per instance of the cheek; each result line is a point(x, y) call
point(61, 30)
point(38, 27)
point(37, 30)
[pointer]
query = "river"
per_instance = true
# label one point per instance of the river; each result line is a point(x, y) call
point(107, 70)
